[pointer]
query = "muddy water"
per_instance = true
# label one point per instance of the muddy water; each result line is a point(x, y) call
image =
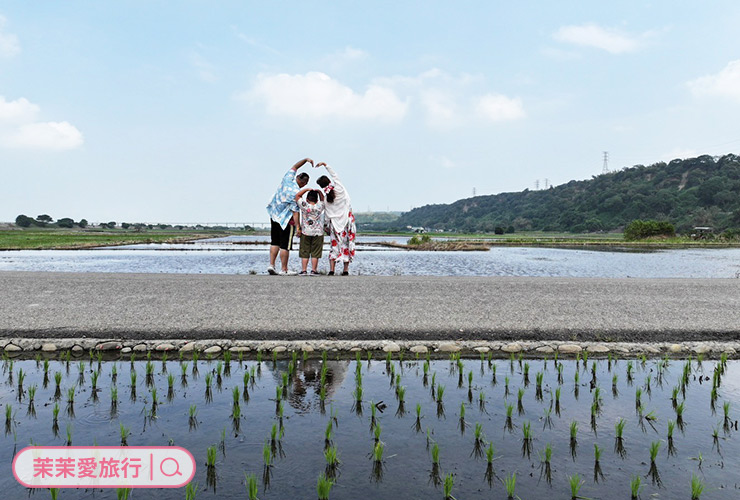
point(406, 471)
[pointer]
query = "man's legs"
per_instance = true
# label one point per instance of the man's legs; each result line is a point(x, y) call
point(314, 264)
point(273, 255)
point(284, 254)
point(304, 264)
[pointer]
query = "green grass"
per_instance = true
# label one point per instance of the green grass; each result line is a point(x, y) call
point(323, 487)
point(61, 239)
point(510, 485)
point(697, 487)
point(635, 485)
point(251, 482)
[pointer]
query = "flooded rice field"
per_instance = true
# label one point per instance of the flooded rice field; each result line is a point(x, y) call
point(392, 428)
point(249, 255)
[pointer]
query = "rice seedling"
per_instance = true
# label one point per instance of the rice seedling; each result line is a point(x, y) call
point(573, 438)
point(481, 401)
point(21, 378)
point(560, 372)
point(81, 369)
point(526, 374)
point(519, 405)
point(506, 387)
point(323, 487)
point(328, 434)
point(376, 433)
point(547, 419)
point(653, 472)
point(170, 387)
point(71, 396)
point(440, 404)
point(57, 381)
point(726, 411)
point(526, 439)
point(332, 461)
point(209, 381)
point(539, 377)
point(510, 486)
point(211, 457)
point(8, 418)
point(54, 492)
point(417, 423)
point(575, 483)
point(557, 401)
point(493, 371)
point(630, 369)
point(123, 493)
point(679, 414)
point(191, 489)
point(462, 418)
point(378, 450)
point(125, 433)
point(32, 393)
point(401, 392)
point(635, 486)
point(113, 373)
point(447, 486)
point(149, 373)
point(69, 435)
point(470, 379)
point(638, 399)
point(251, 483)
point(478, 443)
point(509, 424)
point(697, 487)
point(619, 440)
point(192, 417)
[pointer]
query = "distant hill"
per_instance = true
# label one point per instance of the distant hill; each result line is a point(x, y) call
point(365, 219)
point(702, 191)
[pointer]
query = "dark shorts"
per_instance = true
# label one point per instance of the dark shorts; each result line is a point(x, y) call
point(311, 246)
point(280, 237)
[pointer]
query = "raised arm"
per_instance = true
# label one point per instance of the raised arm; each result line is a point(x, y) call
point(300, 163)
point(331, 171)
point(300, 193)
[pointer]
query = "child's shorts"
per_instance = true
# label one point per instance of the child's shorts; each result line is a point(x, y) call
point(311, 246)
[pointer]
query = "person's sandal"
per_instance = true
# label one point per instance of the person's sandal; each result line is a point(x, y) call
point(345, 273)
point(303, 273)
point(330, 273)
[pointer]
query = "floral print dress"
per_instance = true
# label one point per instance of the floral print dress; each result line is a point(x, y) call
point(343, 243)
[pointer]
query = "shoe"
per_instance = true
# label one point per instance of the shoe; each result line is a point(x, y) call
point(345, 273)
point(303, 273)
point(330, 273)
point(315, 273)
point(271, 271)
point(288, 273)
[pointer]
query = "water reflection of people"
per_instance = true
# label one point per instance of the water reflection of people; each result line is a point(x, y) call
point(306, 381)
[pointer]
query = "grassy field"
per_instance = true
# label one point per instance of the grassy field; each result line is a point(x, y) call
point(67, 239)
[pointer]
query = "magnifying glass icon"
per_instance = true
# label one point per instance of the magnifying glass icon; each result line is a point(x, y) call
point(177, 467)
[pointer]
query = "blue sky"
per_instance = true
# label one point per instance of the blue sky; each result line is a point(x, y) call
point(191, 111)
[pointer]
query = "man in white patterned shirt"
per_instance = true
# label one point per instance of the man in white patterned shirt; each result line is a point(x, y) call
point(284, 211)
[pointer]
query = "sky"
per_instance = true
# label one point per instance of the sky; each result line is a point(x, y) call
point(192, 111)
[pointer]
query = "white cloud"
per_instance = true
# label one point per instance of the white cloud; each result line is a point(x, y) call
point(592, 35)
point(18, 111)
point(19, 128)
point(497, 108)
point(9, 44)
point(725, 84)
point(316, 95)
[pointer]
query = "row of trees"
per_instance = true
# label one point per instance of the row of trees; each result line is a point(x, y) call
point(46, 220)
point(702, 191)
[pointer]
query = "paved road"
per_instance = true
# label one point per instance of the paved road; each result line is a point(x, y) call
point(151, 306)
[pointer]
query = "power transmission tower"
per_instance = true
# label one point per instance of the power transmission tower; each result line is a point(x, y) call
point(547, 183)
point(537, 184)
point(473, 191)
point(605, 170)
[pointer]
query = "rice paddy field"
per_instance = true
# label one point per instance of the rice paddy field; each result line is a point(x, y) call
point(377, 426)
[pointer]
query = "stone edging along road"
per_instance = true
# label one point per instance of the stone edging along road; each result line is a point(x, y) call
point(79, 346)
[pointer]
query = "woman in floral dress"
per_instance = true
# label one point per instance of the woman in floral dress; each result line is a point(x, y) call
point(339, 217)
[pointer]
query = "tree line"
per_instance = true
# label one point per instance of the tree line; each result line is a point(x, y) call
point(701, 191)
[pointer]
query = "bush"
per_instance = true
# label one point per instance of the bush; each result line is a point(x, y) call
point(498, 230)
point(641, 229)
point(24, 221)
point(419, 239)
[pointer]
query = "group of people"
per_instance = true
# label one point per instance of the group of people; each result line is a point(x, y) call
point(297, 210)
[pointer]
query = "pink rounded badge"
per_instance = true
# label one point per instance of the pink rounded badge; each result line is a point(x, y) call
point(104, 467)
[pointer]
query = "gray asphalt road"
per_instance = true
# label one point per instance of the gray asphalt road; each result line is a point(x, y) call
point(151, 306)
